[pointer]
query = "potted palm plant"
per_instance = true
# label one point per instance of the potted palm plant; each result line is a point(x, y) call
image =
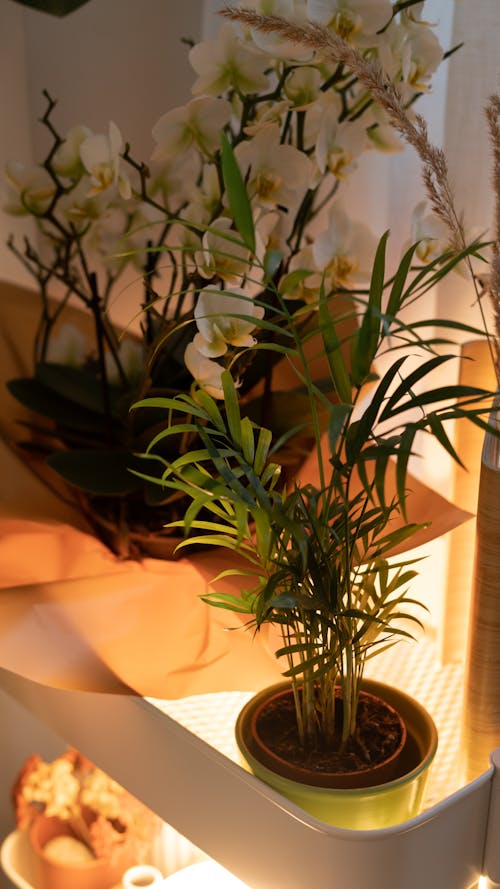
point(317, 552)
point(324, 557)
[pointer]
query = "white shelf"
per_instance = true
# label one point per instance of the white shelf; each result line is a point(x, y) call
point(202, 792)
point(438, 688)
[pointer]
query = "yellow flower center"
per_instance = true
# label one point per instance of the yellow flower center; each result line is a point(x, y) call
point(338, 162)
point(341, 268)
point(103, 175)
point(416, 78)
point(267, 184)
point(345, 23)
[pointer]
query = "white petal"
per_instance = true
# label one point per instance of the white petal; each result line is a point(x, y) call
point(207, 373)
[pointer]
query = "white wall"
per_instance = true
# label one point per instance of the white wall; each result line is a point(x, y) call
point(107, 60)
point(112, 60)
point(15, 141)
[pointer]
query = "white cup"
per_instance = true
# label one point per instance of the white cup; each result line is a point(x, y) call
point(142, 876)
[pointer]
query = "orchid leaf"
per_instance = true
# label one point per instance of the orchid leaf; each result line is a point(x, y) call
point(237, 194)
point(103, 472)
point(54, 7)
point(67, 414)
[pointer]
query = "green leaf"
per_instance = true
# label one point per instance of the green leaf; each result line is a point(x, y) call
point(232, 406)
point(333, 351)
point(439, 432)
point(228, 602)
point(66, 414)
point(360, 431)
point(365, 343)
point(291, 281)
point(395, 297)
point(247, 440)
point(237, 194)
point(272, 262)
point(105, 472)
point(407, 384)
point(261, 454)
point(210, 406)
point(443, 393)
point(77, 385)
point(404, 454)
point(338, 413)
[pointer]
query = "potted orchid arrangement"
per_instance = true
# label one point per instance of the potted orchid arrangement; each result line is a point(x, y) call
point(321, 558)
point(294, 126)
point(54, 7)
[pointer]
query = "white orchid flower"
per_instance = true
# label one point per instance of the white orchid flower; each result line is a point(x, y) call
point(337, 145)
point(67, 345)
point(380, 133)
point(67, 161)
point(303, 85)
point(273, 44)
point(30, 189)
point(307, 289)
point(414, 14)
point(206, 197)
point(198, 123)
point(78, 207)
point(357, 21)
point(344, 251)
point(410, 52)
point(268, 113)
point(431, 233)
point(105, 238)
point(100, 155)
point(277, 174)
point(207, 373)
point(173, 181)
point(228, 62)
point(132, 359)
point(422, 54)
point(223, 319)
point(138, 230)
point(324, 112)
point(433, 237)
point(222, 252)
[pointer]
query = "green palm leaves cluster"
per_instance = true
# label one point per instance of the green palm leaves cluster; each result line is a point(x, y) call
point(317, 554)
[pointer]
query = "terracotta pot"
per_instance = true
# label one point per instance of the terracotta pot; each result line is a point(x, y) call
point(388, 794)
point(98, 873)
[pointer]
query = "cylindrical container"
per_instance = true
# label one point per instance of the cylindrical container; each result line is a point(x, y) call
point(96, 873)
point(141, 876)
point(481, 720)
point(363, 808)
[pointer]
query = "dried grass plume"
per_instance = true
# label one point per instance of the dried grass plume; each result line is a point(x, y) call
point(412, 129)
point(371, 74)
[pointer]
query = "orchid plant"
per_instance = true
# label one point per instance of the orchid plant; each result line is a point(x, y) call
point(292, 126)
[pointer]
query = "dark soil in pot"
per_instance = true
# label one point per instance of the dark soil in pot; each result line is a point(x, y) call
point(372, 757)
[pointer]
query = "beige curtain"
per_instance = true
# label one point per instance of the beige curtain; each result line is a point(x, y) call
point(473, 76)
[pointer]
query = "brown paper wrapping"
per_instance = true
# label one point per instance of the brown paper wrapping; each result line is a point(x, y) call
point(73, 616)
